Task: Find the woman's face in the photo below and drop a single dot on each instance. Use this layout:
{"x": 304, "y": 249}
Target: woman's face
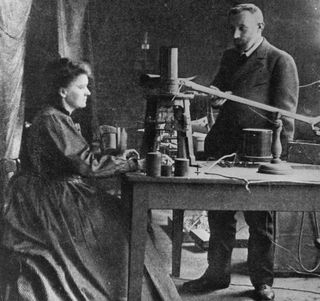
{"x": 75, "y": 95}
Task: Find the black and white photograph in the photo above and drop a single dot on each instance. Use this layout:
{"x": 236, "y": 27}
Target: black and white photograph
{"x": 159, "y": 150}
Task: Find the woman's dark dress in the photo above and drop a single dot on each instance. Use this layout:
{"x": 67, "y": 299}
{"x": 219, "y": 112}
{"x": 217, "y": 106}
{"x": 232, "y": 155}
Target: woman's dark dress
{"x": 62, "y": 239}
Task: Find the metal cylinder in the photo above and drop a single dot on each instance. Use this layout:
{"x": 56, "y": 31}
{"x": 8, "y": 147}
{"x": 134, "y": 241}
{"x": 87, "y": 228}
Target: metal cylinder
{"x": 153, "y": 164}
{"x": 108, "y": 137}
{"x": 169, "y": 70}
{"x": 256, "y": 144}
{"x": 181, "y": 167}
{"x": 166, "y": 170}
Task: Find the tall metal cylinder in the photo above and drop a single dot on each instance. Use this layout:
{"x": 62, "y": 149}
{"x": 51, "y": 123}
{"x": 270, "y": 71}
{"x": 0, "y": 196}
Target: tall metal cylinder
{"x": 169, "y": 70}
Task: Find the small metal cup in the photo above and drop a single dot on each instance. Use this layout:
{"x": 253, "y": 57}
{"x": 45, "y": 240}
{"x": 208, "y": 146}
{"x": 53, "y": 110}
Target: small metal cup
{"x": 166, "y": 170}
{"x": 181, "y": 167}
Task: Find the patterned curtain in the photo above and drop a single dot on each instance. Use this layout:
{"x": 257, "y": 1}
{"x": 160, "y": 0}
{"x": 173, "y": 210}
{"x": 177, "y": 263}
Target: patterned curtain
{"x": 71, "y": 15}
{"x": 74, "y": 39}
{"x": 13, "y": 26}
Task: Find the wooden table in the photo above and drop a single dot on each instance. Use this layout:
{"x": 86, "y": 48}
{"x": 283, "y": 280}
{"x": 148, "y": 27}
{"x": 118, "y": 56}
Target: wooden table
{"x": 299, "y": 192}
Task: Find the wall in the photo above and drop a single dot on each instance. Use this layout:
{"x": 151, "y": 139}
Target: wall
{"x": 199, "y": 30}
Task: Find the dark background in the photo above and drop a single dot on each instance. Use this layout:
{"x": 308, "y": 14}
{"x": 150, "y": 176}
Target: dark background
{"x": 116, "y": 30}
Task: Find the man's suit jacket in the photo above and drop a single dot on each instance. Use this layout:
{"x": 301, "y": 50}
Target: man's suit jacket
{"x": 268, "y": 76}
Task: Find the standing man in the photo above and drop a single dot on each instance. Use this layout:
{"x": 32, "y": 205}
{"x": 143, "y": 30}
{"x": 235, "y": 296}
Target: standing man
{"x": 256, "y": 70}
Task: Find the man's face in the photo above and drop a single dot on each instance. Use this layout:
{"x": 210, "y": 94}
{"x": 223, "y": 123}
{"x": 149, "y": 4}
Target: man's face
{"x": 245, "y": 30}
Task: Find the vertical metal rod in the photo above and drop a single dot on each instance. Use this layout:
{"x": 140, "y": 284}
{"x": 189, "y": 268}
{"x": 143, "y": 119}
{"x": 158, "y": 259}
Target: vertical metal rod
{"x": 169, "y": 70}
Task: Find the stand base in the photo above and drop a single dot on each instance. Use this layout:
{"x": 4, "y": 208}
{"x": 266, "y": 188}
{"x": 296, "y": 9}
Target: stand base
{"x": 280, "y": 168}
{"x": 255, "y": 158}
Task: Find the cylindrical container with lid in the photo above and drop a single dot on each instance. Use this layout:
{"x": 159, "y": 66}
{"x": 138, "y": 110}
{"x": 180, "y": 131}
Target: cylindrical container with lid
{"x": 153, "y": 164}
{"x": 181, "y": 167}
{"x": 166, "y": 170}
{"x": 108, "y": 137}
{"x": 256, "y": 144}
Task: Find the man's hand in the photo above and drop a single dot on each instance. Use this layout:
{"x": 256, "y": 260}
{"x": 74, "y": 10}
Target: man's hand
{"x": 216, "y": 101}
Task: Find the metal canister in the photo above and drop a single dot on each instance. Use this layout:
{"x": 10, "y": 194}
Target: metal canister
{"x": 153, "y": 164}
{"x": 181, "y": 167}
{"x": 108, "y": 137}
{"x": 256, "y": 144}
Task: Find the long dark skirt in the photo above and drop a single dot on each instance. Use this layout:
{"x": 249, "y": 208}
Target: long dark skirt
{"x": 62, "y": 241}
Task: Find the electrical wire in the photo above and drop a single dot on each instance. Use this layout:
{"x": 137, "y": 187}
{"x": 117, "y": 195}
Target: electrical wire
{"x": 179, "y": 89}
{"x": 299, "y": 259}
{"x": 246, "y": 182}
{"x": 280, "y": 288}
{"x": 261, "y": 115}
{"x": 302, "y": 273}
{"x": 219, "y": 160}
{"x": 316, "y": 224}
{"x": 274, "y": 287}
{"x": 299, "y": 249}
{"x": 311, "y": 84}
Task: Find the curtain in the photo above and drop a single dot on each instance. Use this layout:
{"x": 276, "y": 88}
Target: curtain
{"x": 71, "y": 15}
{"x": 74, "y": 39}
{"x": 13, "y": 26}
{"x": 13, "y": 20}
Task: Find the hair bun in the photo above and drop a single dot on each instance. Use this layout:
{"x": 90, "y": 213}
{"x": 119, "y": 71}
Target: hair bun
{"x": 64, "y": 61}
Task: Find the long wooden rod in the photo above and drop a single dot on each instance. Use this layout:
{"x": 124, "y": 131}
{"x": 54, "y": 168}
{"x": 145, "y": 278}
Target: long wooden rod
{"x": 218, "y": 93}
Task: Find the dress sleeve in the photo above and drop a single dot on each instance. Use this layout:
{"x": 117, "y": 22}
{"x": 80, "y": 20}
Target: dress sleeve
{"x": 73, "y": 148}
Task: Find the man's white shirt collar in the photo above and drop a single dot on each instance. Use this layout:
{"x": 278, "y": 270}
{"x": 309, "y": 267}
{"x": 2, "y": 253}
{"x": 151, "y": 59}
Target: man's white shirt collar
{"x": 252, "y": 48}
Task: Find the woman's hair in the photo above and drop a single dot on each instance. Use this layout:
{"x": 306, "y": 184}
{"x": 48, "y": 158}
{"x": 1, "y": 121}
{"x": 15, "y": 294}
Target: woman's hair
{"x": 60, "y": 73}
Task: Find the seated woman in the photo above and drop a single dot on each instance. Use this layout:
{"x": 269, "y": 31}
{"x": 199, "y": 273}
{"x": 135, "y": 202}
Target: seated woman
{"x": 62, "y": 239}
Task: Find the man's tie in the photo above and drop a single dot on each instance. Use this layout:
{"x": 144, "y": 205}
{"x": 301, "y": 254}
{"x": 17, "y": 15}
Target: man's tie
{"x": 242, "y": 59}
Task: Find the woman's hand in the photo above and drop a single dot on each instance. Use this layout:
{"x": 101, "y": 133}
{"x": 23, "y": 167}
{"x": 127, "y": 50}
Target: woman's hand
{"x": 131, "y": 154}
{"x": 166, "y": 160}
{"x": 142, "y": 164}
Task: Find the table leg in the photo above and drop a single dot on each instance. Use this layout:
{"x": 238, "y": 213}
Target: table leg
{"x": 177, "y": 237}
{"x": 137, "y": 244}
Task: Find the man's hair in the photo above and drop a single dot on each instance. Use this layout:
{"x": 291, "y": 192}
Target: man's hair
{"x": 253, "y": 9}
